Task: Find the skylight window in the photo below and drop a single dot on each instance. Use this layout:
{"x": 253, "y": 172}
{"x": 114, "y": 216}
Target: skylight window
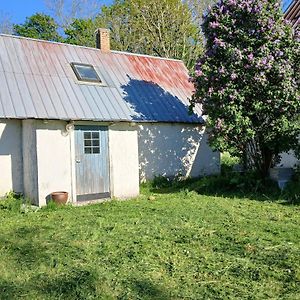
{"x": 85, "y": 72}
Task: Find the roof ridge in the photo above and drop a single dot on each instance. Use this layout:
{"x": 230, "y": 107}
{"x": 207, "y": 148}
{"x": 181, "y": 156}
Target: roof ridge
{"x": 91, "y": 48}
{"x": 145, "y": 55}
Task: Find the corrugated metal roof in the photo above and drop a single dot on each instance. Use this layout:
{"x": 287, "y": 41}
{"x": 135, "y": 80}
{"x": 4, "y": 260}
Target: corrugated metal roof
{"x": 293, "y": 13}
{"x": 37, "y": 81}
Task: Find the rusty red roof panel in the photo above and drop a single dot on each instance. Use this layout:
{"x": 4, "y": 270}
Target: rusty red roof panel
{"x": 37, "y": 81}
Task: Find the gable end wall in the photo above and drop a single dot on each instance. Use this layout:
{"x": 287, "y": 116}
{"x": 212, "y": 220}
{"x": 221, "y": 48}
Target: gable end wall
{"x": 170, "y": 149}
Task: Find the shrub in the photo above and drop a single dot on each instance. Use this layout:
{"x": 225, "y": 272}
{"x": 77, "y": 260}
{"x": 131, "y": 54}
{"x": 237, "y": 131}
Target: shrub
{"x": 16, "y": 203}
{"x": 239, "y": 184}
{"x": 247, "y": 81}
{"x": 292, "y": 191}
{"x": 228, "y": 163}
{"x": 11, "y": 202}
{"x": 160, "y": 181}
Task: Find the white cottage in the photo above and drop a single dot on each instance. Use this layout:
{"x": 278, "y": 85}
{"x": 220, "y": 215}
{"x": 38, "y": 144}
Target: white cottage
{"x": 94, "y": 122}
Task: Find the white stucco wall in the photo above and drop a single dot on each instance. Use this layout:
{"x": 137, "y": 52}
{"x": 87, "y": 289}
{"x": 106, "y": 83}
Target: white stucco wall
{"x": 289, "y": 160}
{"x": 11, "y": 168}
{"x": 124, "y": 163}
{"x": 175, "y": 149}
{"x": 44, "y": 153}
{"x": 53, "y": 152}
{"x": 50, "y": 160}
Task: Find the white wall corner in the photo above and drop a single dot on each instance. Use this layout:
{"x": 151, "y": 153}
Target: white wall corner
{"x": 53, "y": 159}
{"x": 30, "y": 170}
{"x": 124, "y": 161}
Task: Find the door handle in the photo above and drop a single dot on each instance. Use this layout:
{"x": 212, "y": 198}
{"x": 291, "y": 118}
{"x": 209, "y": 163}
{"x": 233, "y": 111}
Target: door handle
{"x": 78, "y": 161}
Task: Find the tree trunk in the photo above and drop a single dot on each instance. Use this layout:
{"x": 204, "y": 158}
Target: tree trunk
{"x": 267, "y": 158}
{"x": 245, "y": 158}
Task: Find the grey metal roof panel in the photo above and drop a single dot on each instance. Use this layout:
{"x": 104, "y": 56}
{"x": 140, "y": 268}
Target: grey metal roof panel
{"x": 37, "y": 81}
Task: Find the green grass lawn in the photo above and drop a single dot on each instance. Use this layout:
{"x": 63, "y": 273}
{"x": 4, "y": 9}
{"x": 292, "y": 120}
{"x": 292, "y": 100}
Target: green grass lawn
{"x": 180, "y": 245}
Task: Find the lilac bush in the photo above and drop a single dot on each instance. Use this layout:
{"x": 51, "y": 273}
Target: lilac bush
{"x": 247, "y": 81}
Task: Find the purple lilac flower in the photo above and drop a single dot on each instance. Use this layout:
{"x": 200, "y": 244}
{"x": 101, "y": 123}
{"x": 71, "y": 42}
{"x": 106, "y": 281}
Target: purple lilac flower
{"x": 264, "y": 61}
{"x": 198, "y": 64}
{"x": 221, "y": 70}
{"x": 220, "y": 3}
{"x": 271, "y": 23}
{"x": 238, "y": 54}
{"x": 232, "y": 2}
{"x": 248, "y": 8}
{"x": 257, "y": 8}
{"x": 219, "y": 123}
{"x": 261, "y": 77}
{"x": 251, "y": 57}
{"x": 214, "y": 24}
{"x": 224, "y": 9}
{"x": 277, "y": 5}
{"x": 219, "y": 42}
{"x": 280, "y": 53}
{"x": 198, "y": 72}
{"x": 233, "y": 76}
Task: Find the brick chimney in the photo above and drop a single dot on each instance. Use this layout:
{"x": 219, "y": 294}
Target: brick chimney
{"x": 102, "y": 39}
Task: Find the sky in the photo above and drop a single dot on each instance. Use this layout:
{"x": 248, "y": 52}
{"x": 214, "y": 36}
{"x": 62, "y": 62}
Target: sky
{"x": 18, "y": 10}
{"x": 286, "y": 3}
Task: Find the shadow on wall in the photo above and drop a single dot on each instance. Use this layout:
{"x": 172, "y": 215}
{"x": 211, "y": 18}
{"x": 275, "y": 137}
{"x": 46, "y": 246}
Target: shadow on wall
{"x": 175, "y": 150}
{"x": 289, "y": 160}
{"x": 11, "y": 156}
{"x": 168, "y": 147}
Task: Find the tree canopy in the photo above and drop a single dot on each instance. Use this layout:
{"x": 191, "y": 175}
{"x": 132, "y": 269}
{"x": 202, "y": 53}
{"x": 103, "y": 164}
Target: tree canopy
{"x": 38, "y": 26}
{"x": 81, "y": 32}
{"x": 162, "y": 28}
{"x": 247, "y": 81}
{"x": 66, "y": 11}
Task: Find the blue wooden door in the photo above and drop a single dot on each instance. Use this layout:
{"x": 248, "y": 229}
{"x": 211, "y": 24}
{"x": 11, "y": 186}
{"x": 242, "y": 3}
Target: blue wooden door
{"x": 92, "y": 162}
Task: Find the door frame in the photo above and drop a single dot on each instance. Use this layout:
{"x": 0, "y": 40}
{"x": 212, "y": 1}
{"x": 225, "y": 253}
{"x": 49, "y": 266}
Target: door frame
{"x": 72, "y": 135}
